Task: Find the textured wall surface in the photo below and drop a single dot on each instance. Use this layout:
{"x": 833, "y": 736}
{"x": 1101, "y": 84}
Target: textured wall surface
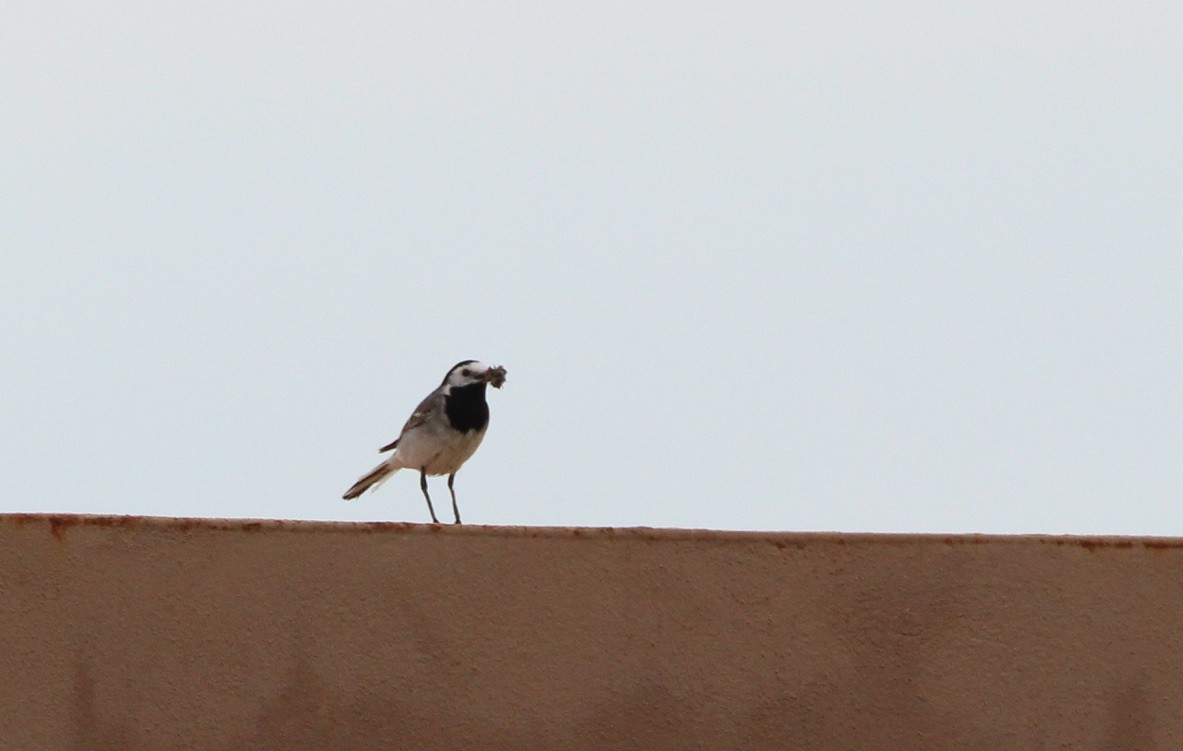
{"x": 130, "y": 633}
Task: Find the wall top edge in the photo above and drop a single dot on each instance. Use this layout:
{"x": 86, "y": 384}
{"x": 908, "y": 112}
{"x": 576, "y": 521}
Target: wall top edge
{"x": 59, "y": 524}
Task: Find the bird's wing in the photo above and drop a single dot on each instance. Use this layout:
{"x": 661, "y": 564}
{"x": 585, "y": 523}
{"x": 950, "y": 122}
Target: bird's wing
{"x": 421, "y": 415}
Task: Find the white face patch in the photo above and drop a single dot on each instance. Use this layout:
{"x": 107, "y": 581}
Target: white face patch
{"x": 462, "y": 375}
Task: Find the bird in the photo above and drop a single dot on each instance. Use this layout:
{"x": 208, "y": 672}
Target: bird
{"x": 442, "y": 433}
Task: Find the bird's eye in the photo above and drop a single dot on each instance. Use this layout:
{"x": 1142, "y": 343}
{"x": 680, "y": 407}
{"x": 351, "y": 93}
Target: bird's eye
{"x": 466, "y": 372}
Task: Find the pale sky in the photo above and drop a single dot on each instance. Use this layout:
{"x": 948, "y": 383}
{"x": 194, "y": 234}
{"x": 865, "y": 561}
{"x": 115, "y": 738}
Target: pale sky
{"x": 828, "y": 266}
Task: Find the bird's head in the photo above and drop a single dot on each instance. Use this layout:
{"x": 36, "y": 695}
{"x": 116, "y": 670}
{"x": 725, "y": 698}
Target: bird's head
{"x": 473, "y": 371}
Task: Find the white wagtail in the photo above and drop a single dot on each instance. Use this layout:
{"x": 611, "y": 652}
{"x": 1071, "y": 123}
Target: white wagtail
{"x": 443, "y": 432}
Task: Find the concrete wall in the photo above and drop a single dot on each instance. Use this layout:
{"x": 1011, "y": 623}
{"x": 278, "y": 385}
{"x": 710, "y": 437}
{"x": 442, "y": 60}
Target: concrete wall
{"x": 130, "y": 633}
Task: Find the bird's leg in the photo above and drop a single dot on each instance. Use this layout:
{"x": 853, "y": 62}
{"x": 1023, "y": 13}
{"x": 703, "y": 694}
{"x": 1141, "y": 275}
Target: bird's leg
{"x": 455, "y": 508}
{"x": 423, "y": 484}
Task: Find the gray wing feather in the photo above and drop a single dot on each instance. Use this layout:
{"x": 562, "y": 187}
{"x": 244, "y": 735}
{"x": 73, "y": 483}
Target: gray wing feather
{"x": 429, "y": 406}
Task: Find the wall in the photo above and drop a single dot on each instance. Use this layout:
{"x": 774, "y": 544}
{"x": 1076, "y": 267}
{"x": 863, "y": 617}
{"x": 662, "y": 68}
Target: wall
{"x": 133, "y": 633}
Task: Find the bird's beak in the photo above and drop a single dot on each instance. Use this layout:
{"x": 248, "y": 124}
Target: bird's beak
{"x": 495, "y": 376}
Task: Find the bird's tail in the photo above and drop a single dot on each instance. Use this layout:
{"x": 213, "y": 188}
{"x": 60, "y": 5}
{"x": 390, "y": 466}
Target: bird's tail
{"x": 376, "y": 477}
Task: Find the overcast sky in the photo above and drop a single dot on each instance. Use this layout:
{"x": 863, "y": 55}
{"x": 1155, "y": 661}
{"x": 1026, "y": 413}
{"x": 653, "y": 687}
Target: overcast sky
{"x": 828, "y": 266}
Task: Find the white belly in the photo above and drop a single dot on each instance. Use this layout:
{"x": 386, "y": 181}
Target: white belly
{"x": 439, "y": 455}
